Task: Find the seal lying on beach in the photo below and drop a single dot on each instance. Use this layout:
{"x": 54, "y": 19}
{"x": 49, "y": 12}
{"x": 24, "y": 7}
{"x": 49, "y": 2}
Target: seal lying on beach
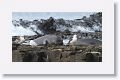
{"x": 88, "y": 42}
{"x": 76, "y": 41}
{"x": 47, "y": 39}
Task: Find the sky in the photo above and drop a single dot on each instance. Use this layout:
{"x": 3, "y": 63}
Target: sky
{"x": 46, "y": 15}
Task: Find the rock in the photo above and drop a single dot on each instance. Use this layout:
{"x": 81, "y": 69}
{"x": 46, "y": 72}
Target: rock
{"x": 34, "y": 56}
{"x": 72, "y": 53}
{"x": 56, "y": 54}
{"x": 93, "y": 57}
{"x": 15, "y": 46}
{"x": 16, "y": 56}
{"x": 48, "y": 26}
{"x": 89, "y": 57}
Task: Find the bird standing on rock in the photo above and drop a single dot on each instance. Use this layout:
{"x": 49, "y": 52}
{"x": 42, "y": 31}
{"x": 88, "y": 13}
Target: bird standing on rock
{"x": 32, "y": 43}
{"x": 20, "y": 39}
{"x": 74, "y": 39}
{"x": 73, "y": 42}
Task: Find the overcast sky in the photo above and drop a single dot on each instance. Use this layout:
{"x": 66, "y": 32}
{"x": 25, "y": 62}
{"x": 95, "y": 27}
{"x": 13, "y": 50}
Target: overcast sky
{"x": 46, "y": 15}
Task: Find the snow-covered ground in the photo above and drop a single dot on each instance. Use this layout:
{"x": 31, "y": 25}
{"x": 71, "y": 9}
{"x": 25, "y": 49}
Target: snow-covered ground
{"x": 20, "y": 31}
{"x": 81, "y": 28}
{"x": 75, "y": 28}
{"x": 31, "y": 29}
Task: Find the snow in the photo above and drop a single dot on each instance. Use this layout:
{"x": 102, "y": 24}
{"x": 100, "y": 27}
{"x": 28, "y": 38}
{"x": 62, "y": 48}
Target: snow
{"x": 20, "y": 31}
{"x": 78, "y": 28}
{"x": 35, "y": 28}
{"x": 97, "y": 28}
{"x": 61, "y": 28}
{"x": 81, "y": 28}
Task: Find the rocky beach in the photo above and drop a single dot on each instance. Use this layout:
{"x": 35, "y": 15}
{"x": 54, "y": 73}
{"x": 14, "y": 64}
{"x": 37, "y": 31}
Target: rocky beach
{"x": 58, "y": 40}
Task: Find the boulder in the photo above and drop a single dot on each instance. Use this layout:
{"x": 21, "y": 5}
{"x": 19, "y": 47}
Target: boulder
{"x": 35, "y": 56}
{"x": 93, "y": 57}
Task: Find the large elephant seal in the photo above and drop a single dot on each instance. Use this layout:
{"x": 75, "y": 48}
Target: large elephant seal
{"x": 47, "y": 39}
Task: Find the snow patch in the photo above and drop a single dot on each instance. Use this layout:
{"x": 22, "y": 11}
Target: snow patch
{"x": 81, "y": 28}
{"x": 61, "y": 28}
{"x": 35, "y": 28}
{"x": 97, "y": 28}
{"x": 20, "y": 31}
